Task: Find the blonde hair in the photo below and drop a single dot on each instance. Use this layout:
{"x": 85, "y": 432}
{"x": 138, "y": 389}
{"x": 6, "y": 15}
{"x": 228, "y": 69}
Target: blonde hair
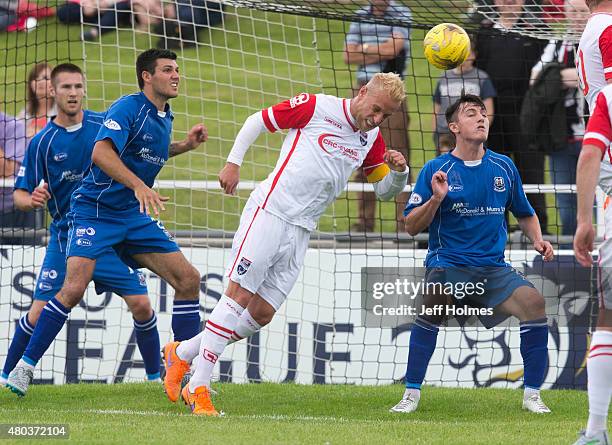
{"x": 389, "y": 82}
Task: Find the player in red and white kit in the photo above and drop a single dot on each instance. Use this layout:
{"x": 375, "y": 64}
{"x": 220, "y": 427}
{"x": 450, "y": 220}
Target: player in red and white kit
{"x": 328, "y": 139}
{"x": 594, "y": 65}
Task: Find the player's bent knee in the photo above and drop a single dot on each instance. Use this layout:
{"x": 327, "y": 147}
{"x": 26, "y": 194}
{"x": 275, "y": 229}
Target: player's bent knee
{"x": 534, "y": 305}
{"x": 71, "y": 294}
{"x": 140, "y": 306}
{"x": 188, "y": 286}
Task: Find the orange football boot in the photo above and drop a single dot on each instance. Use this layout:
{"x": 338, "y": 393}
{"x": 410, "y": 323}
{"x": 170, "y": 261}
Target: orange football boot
{"x": 199, "y": 402}
{"x": 175, "y": 370}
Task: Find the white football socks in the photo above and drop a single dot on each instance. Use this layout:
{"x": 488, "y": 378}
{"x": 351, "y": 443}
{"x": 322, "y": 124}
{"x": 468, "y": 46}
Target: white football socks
{"x": 188, "y": 349}
{"x": 218, "y": 330}
{"x": 599, "y": 369}
{"x": 246, "y": 327}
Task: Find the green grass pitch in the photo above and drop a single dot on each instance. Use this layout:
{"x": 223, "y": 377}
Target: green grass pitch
{"x": 293, "y": 414}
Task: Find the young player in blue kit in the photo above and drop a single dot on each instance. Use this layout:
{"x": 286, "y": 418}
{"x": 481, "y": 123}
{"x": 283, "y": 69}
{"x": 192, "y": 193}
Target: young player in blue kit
{"x": 54, "y": 165}
{"x": 462, "y": 197}
{"x": 111, "y": 207}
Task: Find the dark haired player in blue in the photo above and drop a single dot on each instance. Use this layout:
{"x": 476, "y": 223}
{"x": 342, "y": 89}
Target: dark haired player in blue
{"x": 54, "y": 165}
{"x": 462, "y": 197}
{"x": 111, "y": 207}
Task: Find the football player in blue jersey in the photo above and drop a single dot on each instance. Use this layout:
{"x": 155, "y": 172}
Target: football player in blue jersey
{"x": 54, "y": 165}
{"x": 112, "y": 205}
{"x": 462, "y": 197}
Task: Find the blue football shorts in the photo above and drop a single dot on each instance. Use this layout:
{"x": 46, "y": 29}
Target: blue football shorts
{"x": 110, "y": 275}
{"x": 129, "y": 232}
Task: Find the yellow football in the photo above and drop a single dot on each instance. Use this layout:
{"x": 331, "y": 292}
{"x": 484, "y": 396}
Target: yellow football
{"x": 446, "y": 46}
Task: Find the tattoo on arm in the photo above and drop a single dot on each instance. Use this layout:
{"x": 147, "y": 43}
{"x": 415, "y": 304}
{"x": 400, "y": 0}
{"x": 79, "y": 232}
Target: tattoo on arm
{"x": 172, "y": 150}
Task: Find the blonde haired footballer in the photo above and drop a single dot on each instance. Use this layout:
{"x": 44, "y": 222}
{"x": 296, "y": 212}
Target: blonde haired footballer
{"x": 328, "y": 139}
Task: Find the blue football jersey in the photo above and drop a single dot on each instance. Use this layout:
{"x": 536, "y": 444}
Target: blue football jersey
{"x": 141, "y": 135}
{"x": 469, "y": 228}
{"x": 61, "y": 156}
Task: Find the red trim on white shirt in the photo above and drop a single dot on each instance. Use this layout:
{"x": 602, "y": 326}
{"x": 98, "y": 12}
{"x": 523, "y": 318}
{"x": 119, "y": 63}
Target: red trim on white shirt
{"x": 267, "y": 121}
{"x": 280, "y": 170}
{"x": 605, "y": 48}
{"x": 347, "y": 115}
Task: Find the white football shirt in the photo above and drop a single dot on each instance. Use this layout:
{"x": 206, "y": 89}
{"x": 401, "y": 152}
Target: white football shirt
{"x": 594, "y": 58}
{"x": 318, "y": 156}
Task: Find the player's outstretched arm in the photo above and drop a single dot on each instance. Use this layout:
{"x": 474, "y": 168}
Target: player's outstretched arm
{"x": 105, "y": 157}
{"x": 421, "y": 217}
{"x": 229, "y": 176}
{"x": 197, "y": 135}
{"x": 587, "y": 175}
{"x": 530, "y": 225}
{"x": 26, "y": 201}
{"x": 393, "y": 182}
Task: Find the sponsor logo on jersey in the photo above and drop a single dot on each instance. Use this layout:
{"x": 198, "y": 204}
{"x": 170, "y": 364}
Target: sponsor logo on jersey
{"x": 243, "y": 266}
{"x": 53, "y": 274}
{"x": 70, "y": 176}
{"x": 336, "y": 124}
{"x": 83, "y": 242}
{"x": 147, "y": 137}
{"x": 112, "y": 125}
{"x": 147, "y": 156}
{"x": 141, "y": 279}
{"x": 415, "y": 198}
{"x": 44, "y": 286}
{"x": 455, "y": 183}
{"x": 210, "y": 356}
{"x": 458, "y": 205}
{"x": 328, "y": 144}
{"x": 59, "y": 157}
{"x": 498, "y": 184}
{"x": 22, "y": 171}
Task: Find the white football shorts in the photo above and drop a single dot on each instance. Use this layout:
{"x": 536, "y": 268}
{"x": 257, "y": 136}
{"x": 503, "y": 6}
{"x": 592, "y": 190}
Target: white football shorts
{"x": 267, "y": 254}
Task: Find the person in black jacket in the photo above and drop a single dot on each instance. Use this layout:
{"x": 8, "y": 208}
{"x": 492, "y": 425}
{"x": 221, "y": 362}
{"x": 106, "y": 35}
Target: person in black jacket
{"x": 508, "y": 58}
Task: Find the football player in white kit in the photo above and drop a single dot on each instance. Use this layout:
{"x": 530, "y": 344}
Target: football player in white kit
{"x": 328, "y": 139}
{"x": 594, "y": 65}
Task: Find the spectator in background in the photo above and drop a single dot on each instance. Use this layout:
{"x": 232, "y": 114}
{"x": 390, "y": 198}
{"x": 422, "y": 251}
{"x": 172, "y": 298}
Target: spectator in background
{"x": 563, "y": 159}
{"x": 374, "y": 48}
{"x": 183, "y": 21}
{"x": 508, "y": 58}
{"x": 105, "y": 15}
{"x": 12, "y": 152}
{"x": 40, "y": 106}
{"x": 464, "y": 79}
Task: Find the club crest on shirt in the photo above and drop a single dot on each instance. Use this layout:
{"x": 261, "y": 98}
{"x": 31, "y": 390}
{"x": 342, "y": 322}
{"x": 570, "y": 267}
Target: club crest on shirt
{"x": 363, "y": 138}
{"x": 498, "y": 184}
{"x": 243, "y": 266}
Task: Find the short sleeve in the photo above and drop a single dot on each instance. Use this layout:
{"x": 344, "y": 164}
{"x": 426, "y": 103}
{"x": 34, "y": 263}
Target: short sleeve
{"x": 599, "y": 129}
{"x": 31, "y": 170}
{"x": 402, "y": 31}
{"x": 354, "y": 34}
{"x": 437, "y": 96}
{"x": 293, "y": 113}
{"x": 13, "y": 135}
{"x": 519, "y": 204}
{"x": 422, "y": 191}
{"x": 487, "y": 89}
{"x": 117, "y": 123}
{"x": 605, "y": 47}
{"x": 374, "y": 165}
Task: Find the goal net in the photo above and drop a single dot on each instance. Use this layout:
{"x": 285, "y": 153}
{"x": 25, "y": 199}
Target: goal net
{"x": 258, "y": 54}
